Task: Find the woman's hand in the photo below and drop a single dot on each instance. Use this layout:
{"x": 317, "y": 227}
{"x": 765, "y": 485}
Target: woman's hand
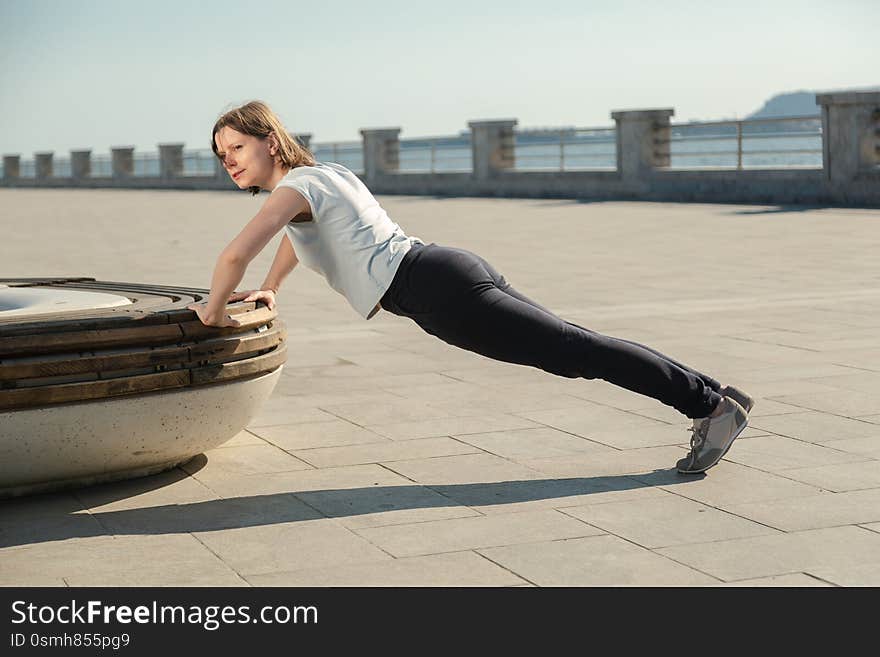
{"x": 267, "y": 296}
{"x": 201, "y": 310}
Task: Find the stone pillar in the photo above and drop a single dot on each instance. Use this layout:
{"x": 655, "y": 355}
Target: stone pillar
{"x": 43, "y": 165}
{"x": 170, "y": 160}
{"x": 642, "y": 141}
{"x": 381, "y": 151}
{"x": 492, "y": 147}
{"x": 850, "y": 134}
{"x": 11, "y": 167}
{"x": 123, "y": 161}
{"x": 80, "y": 164}
{"x": 220, "y": 172}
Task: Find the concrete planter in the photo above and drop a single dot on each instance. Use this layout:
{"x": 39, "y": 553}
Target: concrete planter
{"x": 123, "y": 381}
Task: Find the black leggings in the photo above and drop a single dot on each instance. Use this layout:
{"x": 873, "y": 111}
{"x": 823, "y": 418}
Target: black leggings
{"x": 460, "y": 298}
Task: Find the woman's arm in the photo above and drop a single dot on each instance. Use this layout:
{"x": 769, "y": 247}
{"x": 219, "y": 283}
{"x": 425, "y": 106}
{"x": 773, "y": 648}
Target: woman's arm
{"x": 285, "y": 261}
{"x": 282, "y": 205}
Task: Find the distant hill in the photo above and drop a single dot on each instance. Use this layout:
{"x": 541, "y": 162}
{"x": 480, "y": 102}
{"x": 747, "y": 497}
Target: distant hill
{"x": 797, "y": 103}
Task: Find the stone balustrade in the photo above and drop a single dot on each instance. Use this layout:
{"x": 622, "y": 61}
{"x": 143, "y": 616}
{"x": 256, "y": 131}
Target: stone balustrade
{"x": 850, "y": 174}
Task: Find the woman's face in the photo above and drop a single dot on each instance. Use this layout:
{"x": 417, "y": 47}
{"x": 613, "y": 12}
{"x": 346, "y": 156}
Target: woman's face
{"x": 249, "y": 160}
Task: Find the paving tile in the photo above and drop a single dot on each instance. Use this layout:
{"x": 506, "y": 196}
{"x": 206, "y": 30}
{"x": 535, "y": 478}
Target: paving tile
{"x": 849, "y": 575}
{"x": 450, "y": 569}
{"x": 867, "y": 382}
{"x": 289, "y": 546}
{"x": 291, "y": 415}
{"x": 170, "y": 487}
{"x": 728, "y": 483}
{"x": 396, "y": 362}
{"x": 450, "y": 426}
{"x": 868, "y": 447}
{"x": 785, "y": 581}
{"x": 37, "y": 506}
{"x": 327, "y": 479}
{"x": 781, "y": 375}
{"x": 589, "y": 419}
{"x": 777, "y": 554}
{"x": 606, "y": 394}
{"x": 612, "y": 462}
{"x": 816, "y": 427}
{"x": 387, "y": 451}
{"x": 536, "y": 494}
{"x": 666, "y": 520}
{"x": 849, "y": 476}
{"x": 594, "y": 561}
{"x": 308, "y": 435}
{"x": 849, "y": 403}
{"x": 390, "y": 411}
{"x": 23, "y": 532}
{"x": 211, "y": 515}
{"x": 385, "y": 505}
{"x": 482, "y": 531}
{"x": 779, "y": 454}
{"x": 245, "y": 460}
{"x": 167, "y": 560}
{"x": 462, "y": 469}
{"x": 826, "y": 509}
{"x": 13, "y": 579}
{"x": 768, "y": 407}
{"x": 243, "y": 437}
{"x": 322, "y": 399}
{"x": 542, "y": 442}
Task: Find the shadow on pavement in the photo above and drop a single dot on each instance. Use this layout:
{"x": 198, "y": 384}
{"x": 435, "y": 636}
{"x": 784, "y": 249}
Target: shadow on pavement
{"x": 16, "y": 529}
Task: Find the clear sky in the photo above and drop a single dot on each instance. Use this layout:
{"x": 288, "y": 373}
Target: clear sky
{"x": 100, "y": 73}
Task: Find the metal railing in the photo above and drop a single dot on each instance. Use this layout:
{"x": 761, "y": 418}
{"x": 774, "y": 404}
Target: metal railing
{"x": 61, "y": 168}
{"x": 146, "y": 164}
{"x": 101, "y": 166}
{"x": 436, "y": 155}
{"x": 27, "y": 169}
{"x": 200, "y": 162}
{"x": 566, "y": 149}
{"x": 349, "y": 154}
{"x": 751, "y": 143}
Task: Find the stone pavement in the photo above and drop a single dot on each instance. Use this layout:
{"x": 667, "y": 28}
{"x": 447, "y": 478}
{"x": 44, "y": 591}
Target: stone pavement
{"x": 386, "y": 457}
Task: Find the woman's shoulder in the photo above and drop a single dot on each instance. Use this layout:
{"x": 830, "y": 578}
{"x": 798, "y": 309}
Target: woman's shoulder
{"x": 318, "y": 168}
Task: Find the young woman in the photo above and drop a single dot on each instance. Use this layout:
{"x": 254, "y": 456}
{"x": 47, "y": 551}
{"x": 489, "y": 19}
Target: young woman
{"x": 335, "y": 226}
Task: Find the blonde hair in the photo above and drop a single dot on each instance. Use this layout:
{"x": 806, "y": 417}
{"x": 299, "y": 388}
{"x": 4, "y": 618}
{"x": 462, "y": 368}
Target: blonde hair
{"x": 257, "y": 119}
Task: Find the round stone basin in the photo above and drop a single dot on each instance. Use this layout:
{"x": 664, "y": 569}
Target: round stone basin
{"x": 74, "y": 445}
{"x": 19, "y": 301}
{"x": 102, "y": 381}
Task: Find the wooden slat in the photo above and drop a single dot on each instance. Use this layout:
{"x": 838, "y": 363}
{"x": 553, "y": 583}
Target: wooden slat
{"x": 43, "y": 322}
{"x": 22, "y": 398}
{"x": 241, "y": 368}
{"x": 155, "y": 335}
{"x": 70, "y": 392}
{"x": 90, "y": 340}
{"x": 210, "y": 352}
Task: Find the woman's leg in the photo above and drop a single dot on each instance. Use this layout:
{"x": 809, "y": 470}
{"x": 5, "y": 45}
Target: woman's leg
{"x": 504, "y": 286}
{"x": 454, "y": 296}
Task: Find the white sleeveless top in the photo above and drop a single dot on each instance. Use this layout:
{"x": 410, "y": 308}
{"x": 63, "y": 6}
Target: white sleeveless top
{"x": 350, "y": 239}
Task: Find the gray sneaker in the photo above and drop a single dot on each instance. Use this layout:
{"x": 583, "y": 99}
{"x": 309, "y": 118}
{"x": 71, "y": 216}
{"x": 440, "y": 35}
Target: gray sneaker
{"x": 738, "y": 396}
{"x": 712, "y": 436}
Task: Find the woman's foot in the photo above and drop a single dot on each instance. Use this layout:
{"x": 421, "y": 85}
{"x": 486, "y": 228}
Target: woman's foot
{"x": 740, "y": 397}
{"x": 712, "y": 436}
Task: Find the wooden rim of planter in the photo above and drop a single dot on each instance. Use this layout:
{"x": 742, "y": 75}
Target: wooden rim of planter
{"x": 161, "y": 319}
{"x": 46, "y": 369}
{"x": 24, "y": 398}
{"x": 153, "y": 344}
